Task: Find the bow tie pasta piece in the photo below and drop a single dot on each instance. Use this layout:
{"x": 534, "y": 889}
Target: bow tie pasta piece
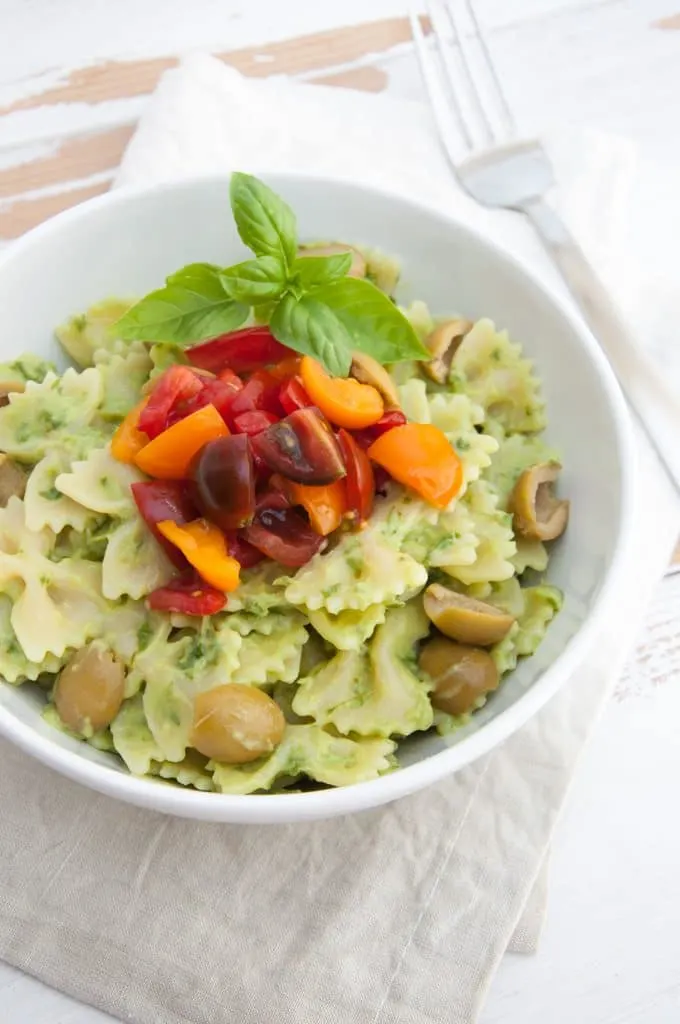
{"x": 491, "y": 370}
{"x": 46, "y": 505}
{"x": 128, "y": 628}
{"x": 450, "y": 540}
{"x": 174, "y": 672}
{"x": 374, "y": 694}
{"x": 14, "y": 665}
{"x": 55, "y": 413}
{"x": 308, "y": 750}
{"x": 101, "y": 483}
{"x": 260, "y": 591}
{"x": 362, "y": 571}
{"x": 134, "y": 563}
{"x": 123, "y": 375}
{"x": 83, "y": 335}
{"x": 348, "y": 630}
{"x": 496, "y": 545}
{"x": 271, "y": 648}
{"x": 26, "y": 367}
{"x": 132, "y": 738}
{"x": 535, "y": 608}
{"x": 192, "y": 771}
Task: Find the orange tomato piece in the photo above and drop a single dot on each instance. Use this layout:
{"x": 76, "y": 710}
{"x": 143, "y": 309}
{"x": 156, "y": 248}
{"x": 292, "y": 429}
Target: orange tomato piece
{"x": 342, "y": 400}
{"x": 288, "y": 367}
{"x": 205, "y": 547}
{"x": 420, "y": 456}
{"x": 325, "y": 504}
{"x": 169, "y": 455}
{"x": 128, "y": 440}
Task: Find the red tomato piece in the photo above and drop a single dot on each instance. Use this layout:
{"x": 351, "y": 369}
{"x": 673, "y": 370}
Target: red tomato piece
{"x": 388, "y": 421}
{"x": 162, "y": 500}
{"x": 360, "y": 479}
{"x": 188, "y": 595}
{"x": 284, "y": 536}
{"x": 176, "y": 385}
{"x": 261, "y": 392}
{"x": 220, "y": 393}
{"x": 293, "y": 395}
{"x": 254, "y": 422}
{"x": 239, "y": 548}
{"x": 241, "y": 351}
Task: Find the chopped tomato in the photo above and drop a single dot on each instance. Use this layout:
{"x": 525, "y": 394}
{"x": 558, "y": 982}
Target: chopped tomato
{"x": 293, "y": 395}
{"x": 187, "y": 595}
{"x": 238, "y": 547}
{"x": 284, "y": 536}
{"x": 261, "y": 392}
{"x": 205, "y": 547}
{"x": 215, "y": 391}
{"x": 388, "y": 421}
{"x": 420, "y": 456}
{"x": 254, "y": 422}
{"x": 128, "y": 439}
{"x": 176, "y": 385}
{"x": 325, "y": 504}
{"x": 241, "y": 351}
{"x": 360, "y": 478}
{"x": 342, "y": 400}
{"x": 159, "y": 500}
{"x": 169, "y": 455}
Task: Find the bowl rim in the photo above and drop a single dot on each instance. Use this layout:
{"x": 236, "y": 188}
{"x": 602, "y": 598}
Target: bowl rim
{"x": 153, "y": 793}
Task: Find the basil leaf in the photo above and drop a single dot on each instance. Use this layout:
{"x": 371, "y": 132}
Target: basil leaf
{"x": 310, "y": 327}
{"x": 264, "y": 221}
{"x": 312, "y": 271}
{"x": 372, "y": 321}
{"x": 255, "y": 281}
{"x": 192, "y": 306}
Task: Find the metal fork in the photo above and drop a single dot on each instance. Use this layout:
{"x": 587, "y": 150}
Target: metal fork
{"x": 499, "y": 168}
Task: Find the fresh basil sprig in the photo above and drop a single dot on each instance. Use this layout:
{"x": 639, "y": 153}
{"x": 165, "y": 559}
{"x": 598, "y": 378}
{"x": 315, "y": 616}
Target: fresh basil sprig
{"x": 312, "y": 306}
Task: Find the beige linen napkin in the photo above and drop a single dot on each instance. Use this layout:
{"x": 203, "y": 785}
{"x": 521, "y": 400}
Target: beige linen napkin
{"x": 393, "y": 916}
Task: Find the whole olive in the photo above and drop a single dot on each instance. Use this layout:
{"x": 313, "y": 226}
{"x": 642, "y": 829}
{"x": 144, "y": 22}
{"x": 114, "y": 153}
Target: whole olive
{"x": 461, "y": 674}
{"x": 90, "y": 688}
{"x": 235, "y": 723}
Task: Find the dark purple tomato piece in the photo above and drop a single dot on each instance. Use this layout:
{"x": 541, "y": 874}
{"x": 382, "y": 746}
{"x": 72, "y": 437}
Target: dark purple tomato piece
{"x": 283, "y": 535}
{"x": 302, "y": 447}
{"x": 222, "y": 479}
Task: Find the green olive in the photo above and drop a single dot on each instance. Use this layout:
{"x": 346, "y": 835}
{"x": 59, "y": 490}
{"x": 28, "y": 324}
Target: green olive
{"x": 236, "y": 723}
{"x": 537, "y": 513}
{"x": 90, "y": 689}
{"x": 465, "y": 619}
{"x": 461, "y": 674}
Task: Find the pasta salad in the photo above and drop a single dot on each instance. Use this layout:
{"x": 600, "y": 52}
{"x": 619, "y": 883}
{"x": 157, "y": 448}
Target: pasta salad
{"x": 268, "y": 523}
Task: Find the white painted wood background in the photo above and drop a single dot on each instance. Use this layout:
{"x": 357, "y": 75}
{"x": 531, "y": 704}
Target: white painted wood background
{"x": 611, "y": 948}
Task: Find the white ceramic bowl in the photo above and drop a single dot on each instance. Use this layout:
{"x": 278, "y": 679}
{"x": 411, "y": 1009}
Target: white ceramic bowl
{"x": 124, "y": 243}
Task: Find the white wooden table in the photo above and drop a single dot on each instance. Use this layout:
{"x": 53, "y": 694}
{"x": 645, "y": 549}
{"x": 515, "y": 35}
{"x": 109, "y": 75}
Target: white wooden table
{"x": 74, "y": 76}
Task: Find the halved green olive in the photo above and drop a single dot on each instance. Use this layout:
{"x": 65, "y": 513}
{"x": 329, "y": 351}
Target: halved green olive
{"x": 90, "y": 688}
{"x": 357, "y": 267}
{"x": 537, "y": 512}
{"x": 235, "y": 723}
{"x": 443, "y": 342}
{"x": 13, "y": 479}
{"x": 465, "y": 619}
{"x": 461, "y": 674}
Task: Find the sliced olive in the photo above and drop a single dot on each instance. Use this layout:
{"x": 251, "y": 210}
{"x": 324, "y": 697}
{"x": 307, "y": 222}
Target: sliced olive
{"x": 301, "y": 447}
{"x": 443, "y": 343}
{"x": 235, "y": 723}
{"x": 223, "y": 481}
{"x": 12, "y": 480}
{"x": 368, "y": 370}
{"x": 537, "y": 512}
{"x": 461, "y": 674}
{"x": 9, "y": 387}
{"x": 357, "y": 267}
{"x": 90, "y": 688}
{"x": 465, "y": 619}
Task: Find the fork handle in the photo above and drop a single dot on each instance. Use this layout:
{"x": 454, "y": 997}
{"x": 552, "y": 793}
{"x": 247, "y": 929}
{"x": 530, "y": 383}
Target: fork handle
{"x": 653, "y": 400}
